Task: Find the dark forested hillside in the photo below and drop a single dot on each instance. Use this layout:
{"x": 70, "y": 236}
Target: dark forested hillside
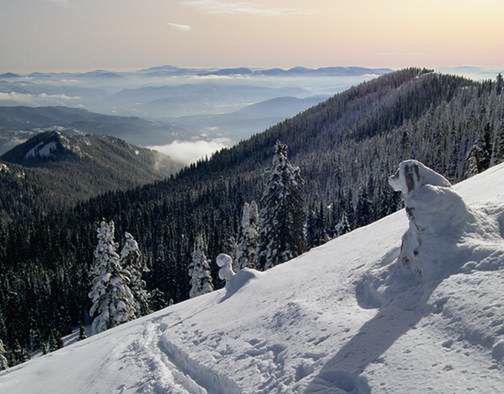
{"x": 345, "y": 147}
{"x": 59, "y": 168}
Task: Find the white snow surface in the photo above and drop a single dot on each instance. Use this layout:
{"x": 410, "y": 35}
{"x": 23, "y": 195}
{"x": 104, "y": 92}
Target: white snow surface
{"x": 342, "y": 318}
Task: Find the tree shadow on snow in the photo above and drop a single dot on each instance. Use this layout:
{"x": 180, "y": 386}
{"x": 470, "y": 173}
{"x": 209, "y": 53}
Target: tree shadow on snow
{"x": 238, "y": 281}
{"x": 341, "y": 374}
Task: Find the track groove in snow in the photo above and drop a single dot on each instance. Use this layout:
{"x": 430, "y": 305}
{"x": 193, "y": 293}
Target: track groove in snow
{"x": 212, "y": 381}
{"x": 163, "y": 376}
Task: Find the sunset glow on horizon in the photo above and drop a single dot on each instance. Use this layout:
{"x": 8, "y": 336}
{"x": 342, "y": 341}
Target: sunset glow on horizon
{"x": 57, "y": 35}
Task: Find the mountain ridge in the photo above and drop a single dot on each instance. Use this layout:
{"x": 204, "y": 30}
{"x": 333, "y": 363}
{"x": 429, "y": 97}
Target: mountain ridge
{"x": 229, "y": 71}
{"x": 68, "y": 166}
{"x": 132, "y": 128}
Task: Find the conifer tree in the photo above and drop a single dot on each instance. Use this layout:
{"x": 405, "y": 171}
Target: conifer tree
{"x": 231, "y": 247}
{"x": 4, "y": 364}
{"x": 499, "y": 84}
{"x": 485, "y": 146}
{"x": 311, "y": 230}
{"x": 282, "y": 212}
{"x": 199, "y": 269}
{"x": 322, "y": 225}
{"x": 343, "y": 226}
{"x": 349, "y": 209}
{"x": 133, "y": 262}
{"x": 113, "y": 301}
{"x": 157, "y": 299}
{"x": 363, "y": 215}
{"x": 52, "y": 341}
{"x": 498, "y": 147}
{"x": 34, "y": 340}
{"x": 19, "y": 354}
{"x": 249, "y": 236}
{"x": 82, "y": 331}
{"x": 473, "y": 162}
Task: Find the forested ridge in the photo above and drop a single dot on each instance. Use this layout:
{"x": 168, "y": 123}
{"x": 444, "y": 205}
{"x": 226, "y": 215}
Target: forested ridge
{"x": 57, "y": 168}
{"x": 345, "y": 148}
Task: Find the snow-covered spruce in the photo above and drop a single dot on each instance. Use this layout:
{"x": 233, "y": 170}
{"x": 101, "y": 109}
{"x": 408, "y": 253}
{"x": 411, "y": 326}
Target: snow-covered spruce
{"x": 282, "y": 212}
{"x": 249, "y": 237}
{"x": 199, "y": 269}
{"x": 225, "y": 263}
{"x": 343, "y": 225}
{"x": 113, "y": 301}
{"x": 133, "y": 262}
{"x": 3, "y": 360}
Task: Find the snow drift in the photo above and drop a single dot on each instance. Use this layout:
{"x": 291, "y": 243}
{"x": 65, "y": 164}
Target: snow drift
{"x": 363, "y": 313}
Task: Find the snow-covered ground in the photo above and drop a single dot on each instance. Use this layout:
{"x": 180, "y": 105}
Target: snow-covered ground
{"x": 338, "y": 319}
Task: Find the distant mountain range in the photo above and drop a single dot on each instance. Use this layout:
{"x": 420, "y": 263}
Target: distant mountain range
{"x": 168, "y": 70}
{"x": 251, "y": 119}
{"x": 294, "y": 71}
{"x": 201, "y": 98}
{"x": 66, "y": 166}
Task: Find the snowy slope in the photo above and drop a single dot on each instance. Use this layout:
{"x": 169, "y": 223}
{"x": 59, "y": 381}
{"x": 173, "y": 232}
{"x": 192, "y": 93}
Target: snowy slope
{"x": 311, "y": 325}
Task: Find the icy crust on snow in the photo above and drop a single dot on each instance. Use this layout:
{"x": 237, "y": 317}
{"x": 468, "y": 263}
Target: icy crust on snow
{"x": 347, "y": 317}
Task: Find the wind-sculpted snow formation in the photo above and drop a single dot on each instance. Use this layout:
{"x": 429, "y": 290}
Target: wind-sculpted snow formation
{"x": 357, "y": 315}
{"x": 225, "y": 263}
{"x": 436, "y": 215}
{"x": 444, "y": 236}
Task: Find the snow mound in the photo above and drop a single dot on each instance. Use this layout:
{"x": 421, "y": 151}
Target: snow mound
{"x": 239, "y": 281}
{"x": 444, "y": 237}
{"x": 351, "y": 316}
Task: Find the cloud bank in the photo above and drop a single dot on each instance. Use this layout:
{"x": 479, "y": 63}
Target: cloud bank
{"x": 190, "y": 151}
{"x": 178, "y": 27}
{"x": 36, "y": 99}
{"x": 222, "y": 7}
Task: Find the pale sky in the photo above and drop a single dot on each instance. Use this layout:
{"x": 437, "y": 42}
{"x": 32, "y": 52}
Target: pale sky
{"x": 51, "y": 35}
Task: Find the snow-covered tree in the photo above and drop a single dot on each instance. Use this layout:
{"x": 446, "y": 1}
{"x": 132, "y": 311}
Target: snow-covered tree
{"x": 363, "y": 214}
{"x": 225, "y": 263}
{"x": 499, "y": 85}
{"x": 19, "y": 354}
{"x": 3, "y": 360}
{"x": 133, "y": 262}
{"x": 231, "y": 247}
{"x": 157, "y": 299}
{"x": 199, "y": 269}
{"x": 316, "y": 227}
{"x": 282, "y": 212}
{"x": 498, "y": 153}
{"x": 343, "y": 226}
{"x": 33, "y": 340}
{"x": 249, "y": 237}
{"x": 54, "y": 341}
{"x": 472, "y": 162}
{"x": 113, "y": 301}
